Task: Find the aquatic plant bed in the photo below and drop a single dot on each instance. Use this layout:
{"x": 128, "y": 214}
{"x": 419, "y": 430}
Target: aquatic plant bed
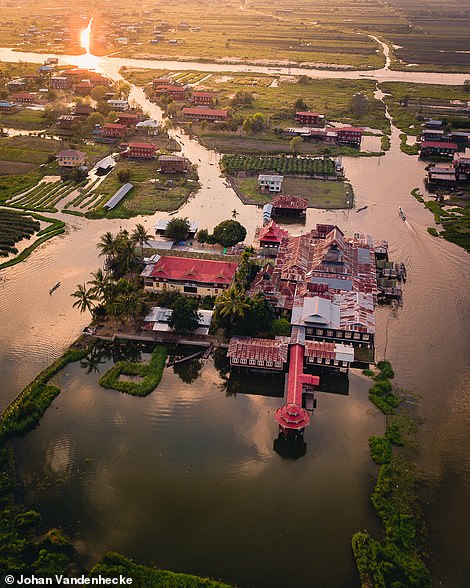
{"x": 25, "y": 411}
{"x": 455, "y": 221}
{"x": 114, "y": 565}
{"x": 151, "y": 374}
{"x": 279, "y": 164}
{"x": 15, "y": 226}
{"x": 396, "y": 560}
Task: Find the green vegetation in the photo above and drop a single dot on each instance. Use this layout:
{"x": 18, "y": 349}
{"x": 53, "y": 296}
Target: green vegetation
{"x": 184, "y": 319}
{"x": 149, "y": 374}
{"x": 229, "y": 233}
{"x": 405, "y": 148}
{"x": 150, "y": 192}
{"x": 14, "y": 227}
{"x": 278, "y": 164}
{"x": 114, "y": 565}
{"x": 56, "y": 227}
{"x": 25, "y": 411}
{"x": 177, "y": 229}
{"x": 416, "y": 194}
{"x": 409, "y": 103}
{"x": 25, "y": 119}
{"x": 432, "y": 231}
{"x": 396, "y": 560}
{"x": 381, "y": 393}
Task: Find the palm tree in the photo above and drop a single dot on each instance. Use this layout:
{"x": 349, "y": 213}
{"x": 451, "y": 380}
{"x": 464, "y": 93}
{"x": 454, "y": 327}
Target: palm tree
{"x": 232, "y": 303}
{"x": 85, "y": 298}
{"x": 131, "y": 300}
{"x": 108, "y": 245}
{"x": 100, "y": 284}
{"x": 234, "y": 213}
{"x": 140, "y": 235}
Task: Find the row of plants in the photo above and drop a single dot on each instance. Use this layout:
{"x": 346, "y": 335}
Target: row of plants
{"x": 15, "y": 226}
{"x": 279, "y": 164}
{"x": 396, "y": 559}
{"x": 56, "y": 227}
{"x": 149, "y": 374}
{"x": 83, "y": 194}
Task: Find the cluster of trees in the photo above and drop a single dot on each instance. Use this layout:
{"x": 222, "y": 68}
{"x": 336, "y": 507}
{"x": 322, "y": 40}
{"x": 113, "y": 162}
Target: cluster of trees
{"x": 359, "y": 104}
{"x": 278, "y": 163}
{"x": 242, "y": 98}
{"x": 115, "y": 292}
{"x": 227, "y": 233}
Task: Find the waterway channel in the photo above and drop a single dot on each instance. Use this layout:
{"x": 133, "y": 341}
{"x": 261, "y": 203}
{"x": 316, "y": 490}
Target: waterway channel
{"x": 187, "y": 478}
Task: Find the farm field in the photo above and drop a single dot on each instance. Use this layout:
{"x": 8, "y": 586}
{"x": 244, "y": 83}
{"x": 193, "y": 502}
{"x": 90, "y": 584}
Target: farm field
{"x": 25, "y": 119}
{"x": 15, "y": 227}
{"x": 319, "y": 193}
{"x": 278, "y": 164}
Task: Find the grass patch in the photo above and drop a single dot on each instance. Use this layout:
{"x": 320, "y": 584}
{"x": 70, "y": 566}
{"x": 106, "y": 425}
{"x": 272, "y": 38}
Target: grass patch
{"x": 319, "y": 193}
{"x": 151, "y": 373}
{"x": 416, "y": 194}
{"x": 145, "y": 197}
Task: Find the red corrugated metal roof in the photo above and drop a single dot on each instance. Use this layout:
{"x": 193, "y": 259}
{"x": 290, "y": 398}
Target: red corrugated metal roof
{"x": 307, "y": 114}
{"x": 142, "y": 146}
{"x": 274, "y": 350}
{"x": 286, "y": 201}
{"x": 440, "y": 144}
{"x": 194, "y": 270}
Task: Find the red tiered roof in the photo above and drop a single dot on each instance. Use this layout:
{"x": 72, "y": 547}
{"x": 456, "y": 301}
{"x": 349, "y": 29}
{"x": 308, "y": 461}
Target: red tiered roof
{"x": 194, "y": 270}
{"x": 440, "y": 144}
{"x": 272, "y": 232}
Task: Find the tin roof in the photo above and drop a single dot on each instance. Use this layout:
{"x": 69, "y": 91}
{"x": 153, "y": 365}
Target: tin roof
{"x": 274, "y": 350}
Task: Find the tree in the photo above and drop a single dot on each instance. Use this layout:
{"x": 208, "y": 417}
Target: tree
{"x": 131, "y": 300}
{"x": 229, "y": 232}
{"x": 177, "y": 229}
{"x": 184, "y": 318}
{"x": 247, "y": 125}
{"x": 258, "y": 123}
{"x": 232, "y": 303}
{"x": 99, "y": 284}
{"x": 300, "y": 105}
{"x": 281, "y": 327}
{"x": 124, "y": 175}
{"x": 107, "y": 245}
{"x": 242, "y": 98}
{"x": 140, "y": 235}
{"x": 359, "y": 104}
{"x": 257, "y": 319}
{"x": 235, "y": 213}
{"x": 202, "y": 236}
{"x": 85, "y": 298}
{"x": 295, "y": 143}
{"x": 98, "y": 93}
{"x": 466, "y": 85}
{"x": 303, "y": 80}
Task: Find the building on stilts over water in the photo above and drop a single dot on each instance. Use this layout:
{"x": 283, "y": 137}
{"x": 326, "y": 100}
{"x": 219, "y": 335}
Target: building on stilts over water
{"x": 328, "y": 285}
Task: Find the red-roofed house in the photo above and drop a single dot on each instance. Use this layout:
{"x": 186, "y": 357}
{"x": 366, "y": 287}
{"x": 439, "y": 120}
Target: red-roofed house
{"x": 113, "y": 130}
{"x": 349, "y": 135}
{"x": 205, "y": 114}
{"x": 194, "y": 277}
{"x": 309, "y": 118}
{"x": 140, "y": 151}
{"x": 252, "y": 353}
{"x": 176, "y": 92}
{"x": 202, "y": 98}
{"x": 128, "y": 119}
{"x": 159, "y": 82}
{"x": 438, "y": 148}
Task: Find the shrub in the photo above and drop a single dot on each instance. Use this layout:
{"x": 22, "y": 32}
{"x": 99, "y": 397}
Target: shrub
{"x": 151, "y": 373}
{"x": 380, "y": 450}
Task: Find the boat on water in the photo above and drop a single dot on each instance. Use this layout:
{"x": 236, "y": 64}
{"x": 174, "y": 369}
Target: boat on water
{"x": 54, "y": 288}
{"x": 401, "y": 212}
{"x": 361, "y": 208}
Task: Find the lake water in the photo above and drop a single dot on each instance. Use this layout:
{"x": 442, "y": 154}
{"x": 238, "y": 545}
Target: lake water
{"x": 187, "y": 478}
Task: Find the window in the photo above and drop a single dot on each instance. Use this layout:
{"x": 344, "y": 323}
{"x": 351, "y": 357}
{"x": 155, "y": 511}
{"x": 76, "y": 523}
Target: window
{"x": 329, "y": 333}
{"x": 366, "y": 336}
{"x": 242, "y": 360}
{"x": 234, "y": 359}
{"x": 252, "y": 362}
{"x": 357, "y": 336}
{"x": 190, "y": 289}
{"x": 348, "y": 334}
{"x": 269, "y": 363}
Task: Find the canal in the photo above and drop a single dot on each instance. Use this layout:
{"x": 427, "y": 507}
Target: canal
{"x": 187, "y": 478}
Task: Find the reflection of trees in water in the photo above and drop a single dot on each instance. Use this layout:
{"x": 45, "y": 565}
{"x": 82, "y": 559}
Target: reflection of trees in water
{"x": 103, "y": 351}
{"x": 189, "y": 371}
{"x": 221, "y": 362}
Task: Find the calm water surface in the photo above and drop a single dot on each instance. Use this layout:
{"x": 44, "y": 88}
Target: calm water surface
{"x": 187, "y": 477}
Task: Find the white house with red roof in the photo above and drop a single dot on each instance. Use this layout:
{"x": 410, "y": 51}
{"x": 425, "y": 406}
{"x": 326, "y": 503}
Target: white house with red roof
{"x": 71, "y": 158}
{"x": 191, "y": 276}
